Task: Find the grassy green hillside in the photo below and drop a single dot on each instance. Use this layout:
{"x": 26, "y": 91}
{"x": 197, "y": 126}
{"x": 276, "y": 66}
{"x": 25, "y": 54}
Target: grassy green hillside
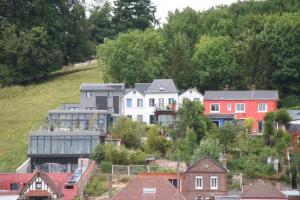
{"x": 23, "y": 107}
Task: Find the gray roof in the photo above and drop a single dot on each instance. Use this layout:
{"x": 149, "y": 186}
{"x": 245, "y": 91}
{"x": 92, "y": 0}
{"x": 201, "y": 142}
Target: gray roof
{"x": 220, "y": 116}
{"x": 162, "y": 86}
{"x": 102, "y": 86}
{"x": 242, "y": 95}
{"x": 142, "y": 87}
{"x": 295, "y": 114}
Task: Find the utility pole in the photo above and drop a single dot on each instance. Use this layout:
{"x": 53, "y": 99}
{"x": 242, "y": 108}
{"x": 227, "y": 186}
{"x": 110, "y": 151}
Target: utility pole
{"x": 178, "y": 178}
{"x": 110, "y": 187}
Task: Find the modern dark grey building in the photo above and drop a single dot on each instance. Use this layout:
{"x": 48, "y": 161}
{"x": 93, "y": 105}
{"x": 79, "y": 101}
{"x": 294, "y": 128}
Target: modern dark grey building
{"x": 102, "y": 97}
{"x": 73, "y": 131}
{"x": 61, "y": 147}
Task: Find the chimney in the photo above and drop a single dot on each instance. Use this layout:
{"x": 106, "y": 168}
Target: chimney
{"x": 224, "y": 160}
{"x": 226, "y": 88}
{"x": 253, "y": 87}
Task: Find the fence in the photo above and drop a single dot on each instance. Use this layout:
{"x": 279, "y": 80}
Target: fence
{"x": 136, "y": 169}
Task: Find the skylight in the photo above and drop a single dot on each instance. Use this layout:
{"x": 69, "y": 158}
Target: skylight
{"x": 149, "y": 190}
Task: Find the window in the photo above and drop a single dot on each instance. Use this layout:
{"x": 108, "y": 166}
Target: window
{"x": 128, "y": 103}
{"x": 262, "y": 107}
{"x": 152, "y": 119}
{"x": 171, "y": 100}
{"x": 229, "y": 107}
{"x": 151, "y": 102}
{"x": 161, "y": 88}
{"x": 196, "y": 99}
{"x": 14, "y": 186}
{"x": 139, "y": 102}
{"x": 38, "y": 185}
{"x": 215, "y": 107}
{"x": 240, "y": 107}
{"x": 216, "y": 122}
{"x": 139, "y": 118}
{"x": 260, "y": 126}
{"x": 213, "y": 182}
{"x": 73, "y": 108}
{"x": 88, "y": 94}
{"x": 161, "y": 102}
{"x": 110, "y": 94}
{"x": 173, "y": 182}
{"x": 198, "y": 182}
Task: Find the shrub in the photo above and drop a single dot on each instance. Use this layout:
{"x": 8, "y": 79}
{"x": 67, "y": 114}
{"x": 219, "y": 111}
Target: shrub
{"x": 98, "y": 153}
{"x": 106, "y": 166}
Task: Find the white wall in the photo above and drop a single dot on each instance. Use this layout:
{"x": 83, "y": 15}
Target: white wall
{"x": 146, "y": 110}
{"x": 191, "y": 94}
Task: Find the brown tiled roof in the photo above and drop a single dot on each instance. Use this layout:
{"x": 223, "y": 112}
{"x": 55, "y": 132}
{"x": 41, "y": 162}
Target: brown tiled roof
{"x": 135, "y": 190}
{"x": 262, "y": 190}
{"x": 189, "y": 168}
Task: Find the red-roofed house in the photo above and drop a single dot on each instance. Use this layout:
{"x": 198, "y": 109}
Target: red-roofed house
{"x": 262, "y": 191}
{"x": 149, "y": 188}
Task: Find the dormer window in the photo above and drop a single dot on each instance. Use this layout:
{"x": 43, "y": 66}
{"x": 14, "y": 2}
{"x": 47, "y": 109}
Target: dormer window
{"x": 161, "y": 88}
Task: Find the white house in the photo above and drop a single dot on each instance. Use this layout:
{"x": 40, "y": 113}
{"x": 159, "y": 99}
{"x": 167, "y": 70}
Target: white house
{"x": 141, "y": 102}
{"x": 192, "y": 94}
{"x": 156, "y": 101}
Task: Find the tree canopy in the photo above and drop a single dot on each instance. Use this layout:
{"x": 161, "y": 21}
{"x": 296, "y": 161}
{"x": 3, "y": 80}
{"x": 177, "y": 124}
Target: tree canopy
{"x": 244, "y": 44}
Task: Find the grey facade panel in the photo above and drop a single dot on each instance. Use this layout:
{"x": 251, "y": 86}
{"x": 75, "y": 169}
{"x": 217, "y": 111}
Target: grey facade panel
{"x": 62, "y": 144}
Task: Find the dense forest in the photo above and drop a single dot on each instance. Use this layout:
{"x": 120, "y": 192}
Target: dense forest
{"x": 245, "y": 44}
{"x": 241, "y": 45}
{"x": 38, "y": 37}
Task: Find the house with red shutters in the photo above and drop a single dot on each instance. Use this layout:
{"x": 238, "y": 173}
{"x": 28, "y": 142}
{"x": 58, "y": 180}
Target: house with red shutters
{"x": 222, "y": 106}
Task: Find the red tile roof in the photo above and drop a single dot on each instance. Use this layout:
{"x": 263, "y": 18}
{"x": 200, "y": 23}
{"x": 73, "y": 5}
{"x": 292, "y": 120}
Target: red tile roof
{"x": 149, "y": 188}
{"x": 262, "y": 191}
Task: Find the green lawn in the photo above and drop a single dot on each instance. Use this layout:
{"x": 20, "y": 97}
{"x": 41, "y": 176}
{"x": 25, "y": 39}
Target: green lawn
{"x": 24, "y": 107}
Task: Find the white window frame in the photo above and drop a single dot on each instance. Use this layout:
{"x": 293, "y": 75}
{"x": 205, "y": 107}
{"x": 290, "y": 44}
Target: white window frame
{"x": 262, "y": 111}
{"x": 201, "y": 183}
{"x": 215, "y": 104}
{"x": 161, "y": 102}
{"x": 140, "y": 105}
{"x": 140, "y": 120}
{"x": 211, "y": 183}
{"x": 88, "y": 94}
{"x": 229, "y": 107}
{"x": 127, "y": 99}
{"x": 239, "y": 111}
{"x": 150, "y": 103}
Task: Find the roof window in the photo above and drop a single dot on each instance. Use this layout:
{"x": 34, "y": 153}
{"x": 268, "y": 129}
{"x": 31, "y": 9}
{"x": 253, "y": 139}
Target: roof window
{"x": 161, "y": 88}
{"x": 149, "y": 190}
